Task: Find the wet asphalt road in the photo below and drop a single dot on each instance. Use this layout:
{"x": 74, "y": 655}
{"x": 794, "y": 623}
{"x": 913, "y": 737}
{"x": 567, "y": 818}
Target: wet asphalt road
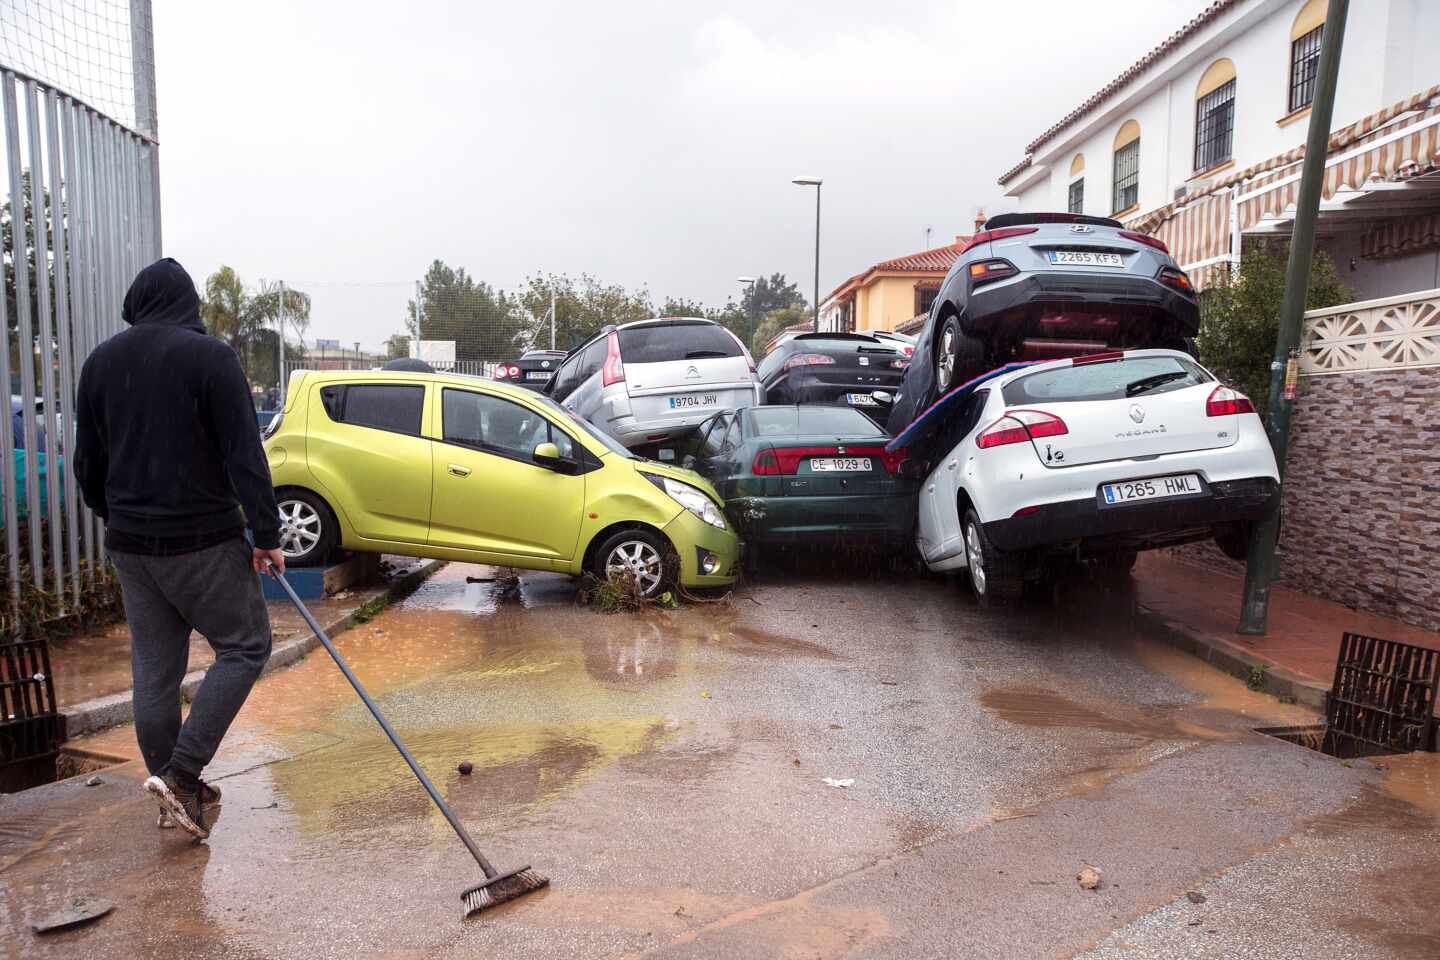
{"x": 668, "y": 771}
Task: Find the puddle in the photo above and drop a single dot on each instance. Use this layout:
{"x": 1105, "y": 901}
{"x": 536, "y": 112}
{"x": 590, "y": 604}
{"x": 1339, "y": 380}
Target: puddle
{"x": 1043, "y": 708}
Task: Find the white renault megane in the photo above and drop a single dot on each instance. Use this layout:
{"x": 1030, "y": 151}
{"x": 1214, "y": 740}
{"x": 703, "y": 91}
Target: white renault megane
{"x": 1092, "y": 459}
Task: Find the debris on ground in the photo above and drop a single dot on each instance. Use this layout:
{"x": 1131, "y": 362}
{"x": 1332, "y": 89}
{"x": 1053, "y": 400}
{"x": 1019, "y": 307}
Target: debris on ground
{"x": 79, "y": 910}
{"x": 1089, "y": 878}
{"x": 465, "y": 768}
{"x": 1195, "y": 896}
{"x": 704, "y": 694}
{"x": 93, "y": 782}
{"x": 832, "y": 782}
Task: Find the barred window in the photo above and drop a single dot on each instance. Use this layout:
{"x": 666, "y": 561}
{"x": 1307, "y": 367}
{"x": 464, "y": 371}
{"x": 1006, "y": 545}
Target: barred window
{"x": 1304, "y": 62}
{"x": 1214, "y": 126}
{"x": 1077, "y": 197}
{"x": 1127, "y": 176}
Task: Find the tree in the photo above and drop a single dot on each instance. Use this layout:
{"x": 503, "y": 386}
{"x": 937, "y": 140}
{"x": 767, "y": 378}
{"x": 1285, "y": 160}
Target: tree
{"x": 248, "y": 321}
{"x": 397, "y": 345}
{"x": 12, "y": 311}
{"x": 1240, "y": 316}
{"x": 762, "y": 298}
{"x": 484, "y": 322}
{"x": 774, "y": 322}
{"x": 582, "y": 307}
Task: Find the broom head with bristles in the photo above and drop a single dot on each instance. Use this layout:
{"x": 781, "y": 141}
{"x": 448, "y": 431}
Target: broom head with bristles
{"x": 502, "y": 889}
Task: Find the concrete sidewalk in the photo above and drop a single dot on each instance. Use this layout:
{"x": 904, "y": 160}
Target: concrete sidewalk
{"x": 1197, "y": 607}
{"x": 92, "y": 669}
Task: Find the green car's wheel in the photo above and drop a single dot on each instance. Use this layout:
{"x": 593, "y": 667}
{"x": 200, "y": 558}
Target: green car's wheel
{"x": 640, "y": 554}
{"x": 308, "y": 531}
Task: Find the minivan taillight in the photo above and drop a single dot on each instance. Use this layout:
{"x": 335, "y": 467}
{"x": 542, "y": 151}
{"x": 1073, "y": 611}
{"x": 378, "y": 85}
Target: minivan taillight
{"x": 1019, "y": 426}
{"x": 614, "y": 369}
{"x": 1224, "y": 402}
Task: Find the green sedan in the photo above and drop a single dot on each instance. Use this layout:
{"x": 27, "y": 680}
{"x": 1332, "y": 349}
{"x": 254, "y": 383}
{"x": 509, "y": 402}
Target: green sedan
{"x": 793, "y": 473}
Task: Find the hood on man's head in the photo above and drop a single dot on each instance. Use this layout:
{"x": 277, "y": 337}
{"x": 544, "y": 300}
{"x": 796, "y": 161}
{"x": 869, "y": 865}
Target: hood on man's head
{"x": 163, "y": 293}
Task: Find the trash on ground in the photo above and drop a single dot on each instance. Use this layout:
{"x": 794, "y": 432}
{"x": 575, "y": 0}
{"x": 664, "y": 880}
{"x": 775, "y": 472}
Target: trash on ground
{"x": 1089, "y": 878}
{"x": 79, "y": 910}
{"x": 93, "y": 782}
{"x": 832, "y": 782}
{"x": 465, "y": 768}
{"x": 1195, "y": 896}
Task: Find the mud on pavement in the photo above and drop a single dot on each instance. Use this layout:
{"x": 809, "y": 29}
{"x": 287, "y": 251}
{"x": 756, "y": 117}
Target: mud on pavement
{"x": 668, "y": 770}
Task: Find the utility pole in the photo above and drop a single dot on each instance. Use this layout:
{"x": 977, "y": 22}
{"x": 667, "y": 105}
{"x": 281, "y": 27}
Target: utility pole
{"x": 280, "y": 341}
{"x": 1260, "y": 570}
{"x": 415, "y": 349}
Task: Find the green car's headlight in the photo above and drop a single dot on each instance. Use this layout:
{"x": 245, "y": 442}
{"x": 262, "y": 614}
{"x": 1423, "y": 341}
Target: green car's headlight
{"x": 691, "y": 498}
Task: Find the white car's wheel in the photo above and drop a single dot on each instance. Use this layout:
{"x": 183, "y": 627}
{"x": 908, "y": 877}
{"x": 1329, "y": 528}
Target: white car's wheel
{"x": 992, "y": 574}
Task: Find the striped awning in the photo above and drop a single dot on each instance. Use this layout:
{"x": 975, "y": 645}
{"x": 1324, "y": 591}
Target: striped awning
{"x": 1403, "y": 147}
{"x": 1198, "y": 234}
{"x": 1395, "y": 143}
{"x": 1401, "y": 237}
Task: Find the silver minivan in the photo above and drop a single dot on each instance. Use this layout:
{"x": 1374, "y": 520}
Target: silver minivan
{"x": 653, "y": 382}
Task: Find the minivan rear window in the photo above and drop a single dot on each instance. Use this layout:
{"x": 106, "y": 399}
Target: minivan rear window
{"x": 1113, "y": 380}
{"x": 662, "y": 342}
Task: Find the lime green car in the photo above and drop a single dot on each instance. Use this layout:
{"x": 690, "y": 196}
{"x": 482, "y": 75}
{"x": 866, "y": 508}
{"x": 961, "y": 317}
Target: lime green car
{"x": 464, "y": 468}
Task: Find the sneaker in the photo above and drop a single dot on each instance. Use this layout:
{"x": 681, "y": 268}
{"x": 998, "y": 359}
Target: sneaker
{"x": 186, "y": 808}
{"x": 209, "y": 794}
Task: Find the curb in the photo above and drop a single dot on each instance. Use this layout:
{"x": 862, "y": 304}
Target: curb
{"x": 1274, "y": 679}
{"x": 115, "y": 709}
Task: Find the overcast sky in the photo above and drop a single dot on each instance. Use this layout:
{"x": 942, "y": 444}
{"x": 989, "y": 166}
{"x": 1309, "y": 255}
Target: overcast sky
{"x": 644, "y": 142}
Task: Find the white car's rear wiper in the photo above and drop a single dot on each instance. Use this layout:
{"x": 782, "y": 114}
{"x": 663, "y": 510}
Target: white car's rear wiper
{"x": 1150, "y": 383}
{"x": 702, "y": 354}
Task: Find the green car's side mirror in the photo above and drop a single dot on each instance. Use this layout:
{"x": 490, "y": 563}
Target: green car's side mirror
{"x": 548, "y": 455}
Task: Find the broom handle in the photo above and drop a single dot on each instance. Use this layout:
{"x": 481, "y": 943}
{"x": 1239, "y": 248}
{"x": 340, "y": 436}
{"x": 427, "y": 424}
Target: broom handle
{"x": 385, "y": 725}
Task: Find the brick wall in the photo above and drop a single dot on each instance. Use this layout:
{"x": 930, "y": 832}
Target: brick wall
{"x": 1362, "y": 494}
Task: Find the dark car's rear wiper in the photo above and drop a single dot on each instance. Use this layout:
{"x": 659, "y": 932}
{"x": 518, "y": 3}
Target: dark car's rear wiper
{"x": 701, "y": 354}
{"x": 1150, "y": 383}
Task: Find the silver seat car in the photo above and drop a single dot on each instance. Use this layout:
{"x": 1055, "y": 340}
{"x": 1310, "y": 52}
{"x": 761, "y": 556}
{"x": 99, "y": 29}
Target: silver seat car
{"x": 652, "y": 382}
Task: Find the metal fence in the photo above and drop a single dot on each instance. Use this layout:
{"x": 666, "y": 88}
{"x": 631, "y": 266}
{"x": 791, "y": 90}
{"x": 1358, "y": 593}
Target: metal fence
{"x": 81, "y": 218}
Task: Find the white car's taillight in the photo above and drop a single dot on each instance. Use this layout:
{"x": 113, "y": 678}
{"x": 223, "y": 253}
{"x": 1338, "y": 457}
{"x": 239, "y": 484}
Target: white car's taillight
{"x": 1020, "y": 426}
{"x": 1224, "y": 402}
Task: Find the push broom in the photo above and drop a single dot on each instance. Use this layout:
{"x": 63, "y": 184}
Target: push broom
{"x": 497, "y": 887}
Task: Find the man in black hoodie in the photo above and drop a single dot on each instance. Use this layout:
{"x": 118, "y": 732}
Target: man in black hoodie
{"x": 168, "y": 454}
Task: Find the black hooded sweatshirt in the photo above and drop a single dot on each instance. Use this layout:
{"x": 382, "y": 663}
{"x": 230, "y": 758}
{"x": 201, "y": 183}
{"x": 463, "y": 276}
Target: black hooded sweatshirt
{"x": 167, "y": 445}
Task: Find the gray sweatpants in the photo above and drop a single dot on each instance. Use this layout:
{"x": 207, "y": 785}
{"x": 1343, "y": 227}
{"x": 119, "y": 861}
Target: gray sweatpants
{"x": 216, "y": 592}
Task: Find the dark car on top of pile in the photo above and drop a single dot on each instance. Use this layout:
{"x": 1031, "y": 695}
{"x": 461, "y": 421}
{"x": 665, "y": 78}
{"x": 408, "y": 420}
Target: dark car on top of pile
{"x": 854, "y": 369}
{"x": 1041, "y": 286}
{"x": 533, "y": 370}
{"x": 792, "y": 473}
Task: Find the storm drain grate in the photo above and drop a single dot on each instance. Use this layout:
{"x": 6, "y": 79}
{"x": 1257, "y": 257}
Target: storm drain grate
{"x": 30, "y": 726}
{"x": 1382, "y": 702}
{"x": 1384, "y": 694}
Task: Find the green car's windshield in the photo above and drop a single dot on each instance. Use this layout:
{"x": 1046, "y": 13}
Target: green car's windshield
{"x": 570, "y": 417}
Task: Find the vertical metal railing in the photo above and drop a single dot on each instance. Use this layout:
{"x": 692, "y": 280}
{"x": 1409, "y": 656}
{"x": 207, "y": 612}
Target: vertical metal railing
{"x": 84, "y": 218}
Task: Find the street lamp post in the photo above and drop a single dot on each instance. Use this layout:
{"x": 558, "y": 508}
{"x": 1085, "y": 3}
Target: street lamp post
{"x": 747, "y": 284}
{"x": 814, "y": 182}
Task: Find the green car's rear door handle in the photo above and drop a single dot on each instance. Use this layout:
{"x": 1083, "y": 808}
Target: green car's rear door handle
{"x": 459, "y": 471}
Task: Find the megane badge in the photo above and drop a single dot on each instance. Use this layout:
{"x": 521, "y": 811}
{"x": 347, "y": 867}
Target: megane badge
{"x": 1137, "y": 413}
{"x": 1081, "y": 228}
{"x": 545, "y": 364}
